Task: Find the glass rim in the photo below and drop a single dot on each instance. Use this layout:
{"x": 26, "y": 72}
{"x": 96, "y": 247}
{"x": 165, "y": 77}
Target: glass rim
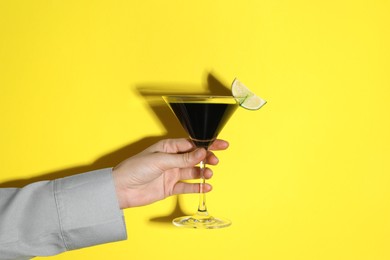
{"x": 200, "y": 99}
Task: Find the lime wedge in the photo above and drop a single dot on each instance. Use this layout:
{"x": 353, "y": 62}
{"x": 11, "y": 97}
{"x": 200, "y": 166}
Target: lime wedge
{"x": 246, "y": 98}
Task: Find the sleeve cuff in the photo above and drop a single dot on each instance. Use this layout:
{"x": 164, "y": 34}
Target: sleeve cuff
{"x": 88, "y": 209}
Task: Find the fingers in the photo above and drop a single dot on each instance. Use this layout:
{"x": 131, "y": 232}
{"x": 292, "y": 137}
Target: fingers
{"x": 211, "y": 158}
{"x": 181, "y": 145}
{"x": 177, "y": 153}
{"x": 182, "y": 188}
{"x": 194, "y": 173}
{"x": 166, "y": 161}
{"x": 219, "y": 145}
{"x": 189, "y": 174}
{"x": 185, "y": 160}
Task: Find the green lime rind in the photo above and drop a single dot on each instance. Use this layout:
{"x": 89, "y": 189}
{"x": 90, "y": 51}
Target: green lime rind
{"x": 246, "y": 98}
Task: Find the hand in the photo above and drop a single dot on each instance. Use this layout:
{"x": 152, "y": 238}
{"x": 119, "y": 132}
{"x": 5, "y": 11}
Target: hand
{"x": 158, "y": 172}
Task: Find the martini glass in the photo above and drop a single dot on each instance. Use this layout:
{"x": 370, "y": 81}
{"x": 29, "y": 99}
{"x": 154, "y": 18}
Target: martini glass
{"x": 203, "y": 117}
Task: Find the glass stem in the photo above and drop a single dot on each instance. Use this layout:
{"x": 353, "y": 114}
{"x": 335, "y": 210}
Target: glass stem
{"x": 202, "y": 209}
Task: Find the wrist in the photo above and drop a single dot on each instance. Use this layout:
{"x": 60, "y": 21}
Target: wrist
{"x": 119, "y": 191}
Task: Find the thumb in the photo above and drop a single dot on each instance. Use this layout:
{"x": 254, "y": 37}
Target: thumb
{"x": 168, "y": 161}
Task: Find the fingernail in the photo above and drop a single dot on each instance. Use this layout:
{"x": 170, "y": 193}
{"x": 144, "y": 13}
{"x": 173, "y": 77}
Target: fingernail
{"x": 208, "y": 188}
{"x": 216, "y": 160}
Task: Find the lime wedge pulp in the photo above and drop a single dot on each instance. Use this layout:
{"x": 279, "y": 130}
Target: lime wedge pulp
{"x": 246, "y": 98}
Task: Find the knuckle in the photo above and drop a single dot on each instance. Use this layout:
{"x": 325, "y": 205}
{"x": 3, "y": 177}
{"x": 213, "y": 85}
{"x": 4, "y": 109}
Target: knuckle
{"x": 167, "y": 145}
{"x": 163, "y": 144}
{"x": 186, "y": 158}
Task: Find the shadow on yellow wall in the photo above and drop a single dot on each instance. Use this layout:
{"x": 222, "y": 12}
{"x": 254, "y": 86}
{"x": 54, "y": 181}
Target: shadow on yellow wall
{"x": 152, "y": 94}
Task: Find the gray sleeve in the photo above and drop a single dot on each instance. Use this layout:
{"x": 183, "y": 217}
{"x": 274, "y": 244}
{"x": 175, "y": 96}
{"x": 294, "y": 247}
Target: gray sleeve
{"x": 49, "y": 217}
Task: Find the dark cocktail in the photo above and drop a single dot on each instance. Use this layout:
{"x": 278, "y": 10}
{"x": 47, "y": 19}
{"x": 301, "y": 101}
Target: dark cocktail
{"x": 203, "y": 117}
{"x": 203, "y": 121}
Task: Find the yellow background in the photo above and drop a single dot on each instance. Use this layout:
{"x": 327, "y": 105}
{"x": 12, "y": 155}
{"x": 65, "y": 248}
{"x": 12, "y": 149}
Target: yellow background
{"x": 306, "y": 177}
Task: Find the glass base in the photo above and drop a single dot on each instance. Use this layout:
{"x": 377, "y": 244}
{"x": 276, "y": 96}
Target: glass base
{"x": 201, "y": 222}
